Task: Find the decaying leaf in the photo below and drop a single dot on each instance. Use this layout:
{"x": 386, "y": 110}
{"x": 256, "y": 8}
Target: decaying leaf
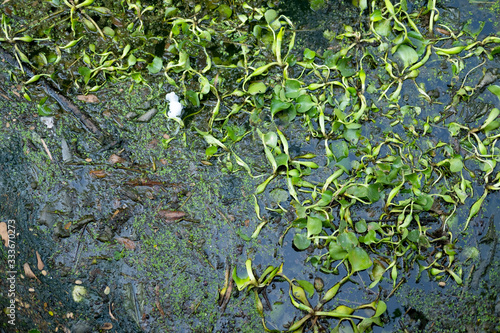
{"x": 113, "y": 159}
{"x": 98, "y": 173}
{"x": 28, "y": 272}
{"x": 129, "y": 244}
{"x": 106, "y": 326}
{"x": 40, "y": 264}
{"x": 157, "y": 301}
{"x": 88, "y": 98}
{"x": 169, "y": 215}
{"x": 4, "y": 234}
{"x": 111, "y": 314}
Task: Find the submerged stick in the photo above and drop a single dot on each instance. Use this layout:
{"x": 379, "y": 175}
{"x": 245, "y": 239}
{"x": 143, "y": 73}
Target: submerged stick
{"x": 88, "y": 123}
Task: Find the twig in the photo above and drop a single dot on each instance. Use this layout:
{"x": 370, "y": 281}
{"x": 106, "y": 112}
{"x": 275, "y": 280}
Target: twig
{"x": 395, "y": 288}
{"x": 46, "y": 149}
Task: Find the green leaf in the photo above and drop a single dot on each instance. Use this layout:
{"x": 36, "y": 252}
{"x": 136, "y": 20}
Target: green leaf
{"x": 383, "y": 28}
{"x": 155, "y": 66}
{"x": 336, "y": 251}
{"x": 426, "y": 201}
{"x": 301, "y": 241}
{"x": 340, "y": 149}
{"x": 413, "y": 236}
{"x": 369, "y": 238}
{"x": 344, "y": 67}
{"x": 361, "y": 226}
{"x": 257, "y": 88}
{"x": 390, "y": 7}
{"x": 242, "y": 235}
{"x": 407, "y": 54}
{"x": 204, "y": 85}
{"x": 44, "y": 110}
{"x": 314, "y": 226}
{"x": 359, "y": 259}
{"x": 331, "y": 58}
{"x": 279, "y": 195}
{"x": 85, "y": 72}
{"x": 211, "y": 150}
{"x": 309, "y": 54}
{"x": 316, "y": 4}
{"x": 456, "y": 165}
{"x": 193, "y": 97}
{"x": 373, "y": 192}
{"x": 225, "y": 11}
{"x": 277, "y": 106}
{"x": 270, "y": 15}
{"x": 281, "y": 159}
{"x": 108, "y": 31}
{"x": 475, "y": 208}
{"x": 347, "y": 240}
{"x": 304, "y": 103}
{"x": 211, "y": 140}
{"x": 292, "y": 88}
{"x": 241, "y": 283}
{"x": 307, "y": 286}
{"x": 271, "y": 139}
{"x": 258, "y": 229}
{"x": 131, "y": 60}
{"x": 263, "y": 185}
{"x": 495, "y": 90}
{"x": 491, "y": 118}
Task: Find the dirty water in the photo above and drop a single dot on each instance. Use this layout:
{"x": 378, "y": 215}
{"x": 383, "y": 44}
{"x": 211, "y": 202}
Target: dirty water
{"x": 149, "y": 232}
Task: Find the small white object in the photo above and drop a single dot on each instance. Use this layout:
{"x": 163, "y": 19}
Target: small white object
{"x": 174, "y": 107}
{"x": 48, "y": 121}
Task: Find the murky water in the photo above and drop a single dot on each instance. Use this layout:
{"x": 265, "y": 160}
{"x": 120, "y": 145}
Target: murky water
{"x": 108, "y": 227}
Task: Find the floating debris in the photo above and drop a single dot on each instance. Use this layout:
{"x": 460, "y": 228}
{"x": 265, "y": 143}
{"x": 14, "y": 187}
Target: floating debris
{"x": 174, "y": 107}
{"x": 147, "y": 116}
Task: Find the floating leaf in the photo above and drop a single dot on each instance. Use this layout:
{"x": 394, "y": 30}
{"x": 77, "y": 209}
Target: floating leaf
{"x": 495, "y": 90}
{"x": 369, "y": 238}
{"x": 304, "y": 103}
{"x": 257, "y": 88}
{"x": 314, "y": 226}
{"x": 361, "y": 226}
{"x": 336, "y": 251}
{"x": 475, "y": 208}
{"x": 307, "y": 286}
{"x": 270, "y": 15}
{"x": 456, "y": 165}
{"x": 169, "y": 215}
{"x": 301, "y": 241}
{"x": 155, "y": 66}
{"x": 277, "y": 106}
{"x": 347, "y": 240}
{"x": 292, "y": 88}
{"x": 407, "y": 54}
{"x": 359, "y": 259}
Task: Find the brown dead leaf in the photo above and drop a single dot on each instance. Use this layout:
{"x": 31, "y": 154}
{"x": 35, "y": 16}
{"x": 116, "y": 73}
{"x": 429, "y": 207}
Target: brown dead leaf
{"x": 157, "y": 301}
{"x": 4, "y": 234}
{"x": 40, "y": 264}
{"x": 28, "y": 272}
{"x": 106, "y": 326}
{"x": 113, "y": 159}
{"x": 68, "y": 225}
{"x": 169, "y": 215}
{"x": 98, "y": 173}
{"x": 443, "y": 31}
{"x": 88, "y": 98}
{"x": 129, "y": 244}
{"x": 110, "y": 314}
